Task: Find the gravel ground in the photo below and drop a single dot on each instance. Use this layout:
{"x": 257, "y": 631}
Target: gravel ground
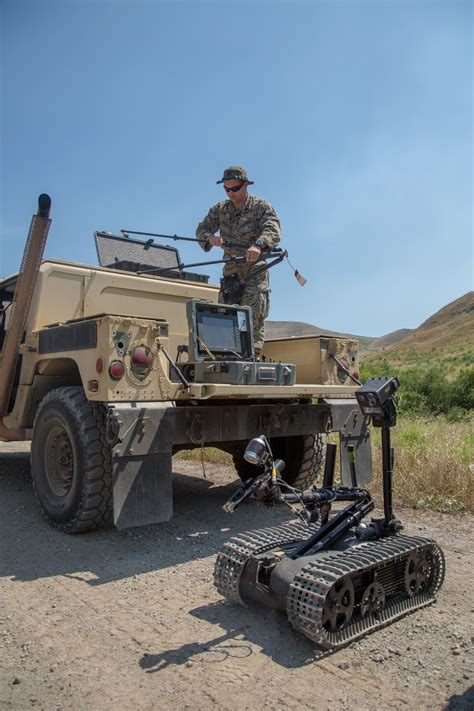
{"x": 130, "y": 619}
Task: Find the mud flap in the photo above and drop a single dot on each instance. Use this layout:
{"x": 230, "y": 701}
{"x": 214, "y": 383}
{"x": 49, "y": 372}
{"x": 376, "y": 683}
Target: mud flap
{"x": 142, "y": 490}
{"x": 348, "y": 420}
{"x": 142, "y": 464}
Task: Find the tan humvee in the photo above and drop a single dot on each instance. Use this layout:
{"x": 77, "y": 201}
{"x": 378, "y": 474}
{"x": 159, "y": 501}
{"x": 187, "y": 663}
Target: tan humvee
{"x": 97, "y": 388}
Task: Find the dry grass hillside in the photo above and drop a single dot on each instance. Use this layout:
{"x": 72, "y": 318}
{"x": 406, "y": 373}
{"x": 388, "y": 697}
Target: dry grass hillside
{"x": 294, "y": 329}
{"x": 388, "y": 340}
{"x": 446, "y": 338}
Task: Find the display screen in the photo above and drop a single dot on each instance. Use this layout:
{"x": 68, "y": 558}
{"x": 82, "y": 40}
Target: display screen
{"x": 222, "y": 331}
{"x": 219, "y": 331}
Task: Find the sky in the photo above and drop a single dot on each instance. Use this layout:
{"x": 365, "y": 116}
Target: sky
{"x": 353, "y": 117}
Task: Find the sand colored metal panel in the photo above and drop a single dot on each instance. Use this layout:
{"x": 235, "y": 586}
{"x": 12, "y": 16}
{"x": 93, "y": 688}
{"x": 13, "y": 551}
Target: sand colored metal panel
{"x": 67, "y": 291}
{"x": 313, "y": 357}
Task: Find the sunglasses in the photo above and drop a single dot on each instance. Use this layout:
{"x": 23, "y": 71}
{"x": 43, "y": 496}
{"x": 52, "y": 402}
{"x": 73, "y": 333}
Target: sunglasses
{"x": 235, "y": 189}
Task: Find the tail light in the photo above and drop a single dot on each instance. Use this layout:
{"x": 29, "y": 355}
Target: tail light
{"x": 342, "y": 369}
{"x": 141, "y": 360}
{"x": 141, "y": 355}
{"x": 116, "y": 370}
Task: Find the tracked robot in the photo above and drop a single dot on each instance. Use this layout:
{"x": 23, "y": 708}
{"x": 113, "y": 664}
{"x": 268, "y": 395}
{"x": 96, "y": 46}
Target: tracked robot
{"x": 336, "y": 576}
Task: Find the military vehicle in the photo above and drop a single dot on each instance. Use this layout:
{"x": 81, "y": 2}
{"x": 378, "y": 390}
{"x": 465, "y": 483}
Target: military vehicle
{"x": 110, "y": 369}
{"x": 336, "y": 577}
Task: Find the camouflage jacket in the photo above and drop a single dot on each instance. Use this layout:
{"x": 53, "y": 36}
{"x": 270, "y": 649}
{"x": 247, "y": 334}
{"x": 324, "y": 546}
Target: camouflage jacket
{"x": 255, "y": 219}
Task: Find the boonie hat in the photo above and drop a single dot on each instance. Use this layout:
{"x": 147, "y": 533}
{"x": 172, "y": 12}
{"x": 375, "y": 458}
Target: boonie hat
{"x": 235, "y": 172}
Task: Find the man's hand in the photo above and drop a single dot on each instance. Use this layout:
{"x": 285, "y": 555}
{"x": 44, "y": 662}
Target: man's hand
{"x": 215, "y": 241}
{"x": 253, "y": 253}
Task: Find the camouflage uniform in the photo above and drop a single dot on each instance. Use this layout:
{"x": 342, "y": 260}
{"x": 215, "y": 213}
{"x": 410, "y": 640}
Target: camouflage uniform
{"x": 255, "y": 219}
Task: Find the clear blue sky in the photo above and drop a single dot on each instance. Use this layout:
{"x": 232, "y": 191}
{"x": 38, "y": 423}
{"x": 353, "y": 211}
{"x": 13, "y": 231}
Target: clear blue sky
{"x": 353, "y": 118}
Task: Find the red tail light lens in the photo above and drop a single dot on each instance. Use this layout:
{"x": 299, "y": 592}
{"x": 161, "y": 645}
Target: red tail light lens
{"x": 141, "y": 361}
{"x": 116, "y": 370}
{"x": 342, "y": 369}
{"x": 141, "y": 355}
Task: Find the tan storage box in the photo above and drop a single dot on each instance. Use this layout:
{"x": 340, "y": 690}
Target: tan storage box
{"x": 315, "y": 357}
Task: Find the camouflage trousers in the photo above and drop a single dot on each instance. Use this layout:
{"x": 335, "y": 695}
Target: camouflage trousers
{"x": 257, "y": 296}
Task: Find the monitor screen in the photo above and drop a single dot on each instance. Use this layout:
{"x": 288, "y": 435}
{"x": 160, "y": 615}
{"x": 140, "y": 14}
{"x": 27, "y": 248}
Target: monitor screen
{"x": 219, "y": 331}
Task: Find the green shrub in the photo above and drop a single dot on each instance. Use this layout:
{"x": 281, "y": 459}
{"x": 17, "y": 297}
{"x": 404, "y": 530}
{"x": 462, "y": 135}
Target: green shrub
{"x": 463, "y": 389}
{"x": 412, "y": 402}
{"x": 456, "y": 414}
{"x": 427, "y": 390}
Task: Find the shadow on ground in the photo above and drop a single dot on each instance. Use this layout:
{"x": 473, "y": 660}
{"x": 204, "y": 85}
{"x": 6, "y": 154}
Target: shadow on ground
{"x": 461, "y": 702}
{"x": 198, "y": 529}
{"x": 243, "y": 629}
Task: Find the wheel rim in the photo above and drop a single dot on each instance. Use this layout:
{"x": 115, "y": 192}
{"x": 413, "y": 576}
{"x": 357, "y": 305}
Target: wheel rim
{"x": 339, "y": 605}
{"x": 419, "y": 572}
{"x": 59, "y": 461}
{"x": 373, "y": 600}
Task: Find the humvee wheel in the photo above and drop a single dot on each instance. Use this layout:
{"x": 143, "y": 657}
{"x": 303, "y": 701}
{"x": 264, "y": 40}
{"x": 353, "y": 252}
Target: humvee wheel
{"x": 303, "y": 456}
{"x": 71, "y": 461}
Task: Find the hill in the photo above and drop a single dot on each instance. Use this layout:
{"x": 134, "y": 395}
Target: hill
{"x": 445, "y": 338}
{"x": 384, "y": 341}
{"x": 294, "y": 329}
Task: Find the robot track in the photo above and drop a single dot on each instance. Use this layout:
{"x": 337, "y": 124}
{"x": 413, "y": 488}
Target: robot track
{"x": 236, "y": 552}
{"x": 342, "y": 595}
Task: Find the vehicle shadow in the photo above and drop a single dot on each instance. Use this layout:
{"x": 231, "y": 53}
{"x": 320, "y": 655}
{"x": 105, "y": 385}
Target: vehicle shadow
{"x": 32, "y": 549}
{"x": 461, "y": 702}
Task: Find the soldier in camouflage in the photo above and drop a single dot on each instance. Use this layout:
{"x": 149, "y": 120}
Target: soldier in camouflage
{"x": 250, "y": 225}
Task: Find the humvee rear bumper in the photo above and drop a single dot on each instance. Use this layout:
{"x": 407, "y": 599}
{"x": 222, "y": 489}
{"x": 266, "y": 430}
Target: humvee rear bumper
{"x": 200, "y": 391}
{"x": 144, "y": 435}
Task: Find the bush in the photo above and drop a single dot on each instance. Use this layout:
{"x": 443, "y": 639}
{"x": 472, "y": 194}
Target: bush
{"x": 412, "y": 402}
{"x": 427, "y": 390}
{"x": 463, "y": 389}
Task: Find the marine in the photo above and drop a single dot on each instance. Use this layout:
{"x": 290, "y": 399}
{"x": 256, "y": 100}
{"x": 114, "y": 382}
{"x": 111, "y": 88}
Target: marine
{"x": 247, "y": 225}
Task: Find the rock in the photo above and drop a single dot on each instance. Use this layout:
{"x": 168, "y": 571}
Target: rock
{"x": 343, "y": 665}
{"x": 16, "y": 680}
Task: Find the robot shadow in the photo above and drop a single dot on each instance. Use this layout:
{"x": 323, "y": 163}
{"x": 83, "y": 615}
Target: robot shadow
{"x": 245, "y": 631}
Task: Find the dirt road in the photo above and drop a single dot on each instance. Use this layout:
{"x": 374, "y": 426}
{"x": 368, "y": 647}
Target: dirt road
{"x": 131, "y": 620}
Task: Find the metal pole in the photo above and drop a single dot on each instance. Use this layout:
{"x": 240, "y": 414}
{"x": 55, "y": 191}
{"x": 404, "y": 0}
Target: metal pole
{"x": 25, "y": 286}
{"x": 329, "y": 466}
{"x": 387, "y": 465}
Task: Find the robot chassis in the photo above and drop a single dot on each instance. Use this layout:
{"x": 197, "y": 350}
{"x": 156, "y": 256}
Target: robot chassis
{"x": 336, "y": 578}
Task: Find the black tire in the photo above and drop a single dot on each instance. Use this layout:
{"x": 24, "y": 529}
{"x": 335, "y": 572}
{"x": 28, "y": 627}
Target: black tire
{"x": 303, "y": 456}
{"x": 71, "y": 461}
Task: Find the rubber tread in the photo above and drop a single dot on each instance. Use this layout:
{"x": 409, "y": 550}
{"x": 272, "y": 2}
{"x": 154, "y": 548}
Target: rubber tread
{"x": 95, "y": 506}
{"x": 310, "y": 587}
{"x": 230, "y": 561}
